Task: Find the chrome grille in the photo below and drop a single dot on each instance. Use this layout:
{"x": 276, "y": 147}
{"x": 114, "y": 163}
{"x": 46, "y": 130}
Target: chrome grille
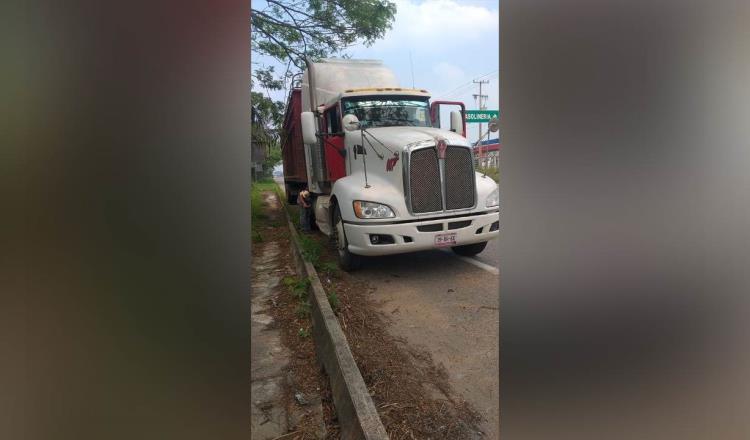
{"x": 459, "y": 178}
{"x": 424, "y": 181}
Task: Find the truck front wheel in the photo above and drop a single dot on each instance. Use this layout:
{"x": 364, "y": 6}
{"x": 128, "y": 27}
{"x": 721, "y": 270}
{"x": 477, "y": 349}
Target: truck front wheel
{"x": 347, "y": 260}
{"x": 469, "y": 250}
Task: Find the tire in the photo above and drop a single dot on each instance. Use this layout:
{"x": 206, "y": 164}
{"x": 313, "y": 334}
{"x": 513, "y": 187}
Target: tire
{"x": 469, "y": 250}
{"x": 347, "y": 261}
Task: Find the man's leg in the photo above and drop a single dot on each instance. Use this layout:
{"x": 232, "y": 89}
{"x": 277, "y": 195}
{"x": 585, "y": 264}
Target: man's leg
{"x": 307, "y": 226}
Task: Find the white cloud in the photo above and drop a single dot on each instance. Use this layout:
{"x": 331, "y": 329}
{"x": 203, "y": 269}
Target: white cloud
{"x": 438, "y": 25}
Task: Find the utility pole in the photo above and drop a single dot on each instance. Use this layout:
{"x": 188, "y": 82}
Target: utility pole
{"x": 482, "y": 101}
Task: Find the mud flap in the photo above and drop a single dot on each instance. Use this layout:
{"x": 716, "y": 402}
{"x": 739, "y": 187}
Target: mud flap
{"x": 321, "y": 209}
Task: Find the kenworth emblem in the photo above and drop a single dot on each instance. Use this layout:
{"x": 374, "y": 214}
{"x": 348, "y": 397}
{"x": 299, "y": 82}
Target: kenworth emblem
{"x": 442, "y": 145}
{"x": 391, "y": 162}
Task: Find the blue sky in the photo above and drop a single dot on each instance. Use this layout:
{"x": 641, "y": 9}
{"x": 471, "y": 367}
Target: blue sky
{"x": 451, "y": 43}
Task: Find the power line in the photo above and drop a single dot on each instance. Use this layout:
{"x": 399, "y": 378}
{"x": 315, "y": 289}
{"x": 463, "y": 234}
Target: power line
{"x": 468, "y": 83}
{"x": 482, "y": 99}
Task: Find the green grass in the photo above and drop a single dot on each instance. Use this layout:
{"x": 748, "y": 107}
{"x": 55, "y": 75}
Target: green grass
{"x": 298, "y": 286}
{"x": 491, "y": 172}
{"x": 256, "y": 204}
{"x": 311, "y": 249}
{"x": 264, "y": 185}
{"x": 257, "y": 217}
{"x": 293, "y": 212}
{"x": 328, "y": 267}
{"x": 303, "y": 310}
{"x": 333, "y": 299}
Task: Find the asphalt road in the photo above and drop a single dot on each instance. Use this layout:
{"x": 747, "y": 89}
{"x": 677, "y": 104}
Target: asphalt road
{"x": 491, "y": 254}
{"x": 448, "y": 305}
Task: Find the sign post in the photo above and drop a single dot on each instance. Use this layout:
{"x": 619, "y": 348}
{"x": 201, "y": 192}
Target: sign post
{"x": 480, "y": 116}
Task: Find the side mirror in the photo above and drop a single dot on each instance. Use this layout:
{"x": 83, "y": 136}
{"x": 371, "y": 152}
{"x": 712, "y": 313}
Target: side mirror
{"x": 494, "y": 125}
{"x": 351, "y": 122}
{"x": 457, "y": 123}
{"x": 308, "y": 128}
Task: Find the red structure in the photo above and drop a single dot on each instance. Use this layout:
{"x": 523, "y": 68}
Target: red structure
{"x": 490, "y": 145}
{"x": 292, "y": 148}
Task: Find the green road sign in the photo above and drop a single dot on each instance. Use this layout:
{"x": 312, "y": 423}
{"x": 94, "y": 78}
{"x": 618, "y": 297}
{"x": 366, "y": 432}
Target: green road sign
{"x": 481, "y": 115}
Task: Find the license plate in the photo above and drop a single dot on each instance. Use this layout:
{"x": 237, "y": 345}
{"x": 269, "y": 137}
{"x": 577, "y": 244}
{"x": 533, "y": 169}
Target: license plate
{"x": 448, "y": 239}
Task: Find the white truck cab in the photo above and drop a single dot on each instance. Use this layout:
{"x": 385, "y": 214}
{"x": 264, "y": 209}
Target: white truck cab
{"x": 386, "y": 180}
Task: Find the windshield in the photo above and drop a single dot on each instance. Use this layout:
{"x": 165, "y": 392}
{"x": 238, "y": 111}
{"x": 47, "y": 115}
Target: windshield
{"x": 387, "y": 111}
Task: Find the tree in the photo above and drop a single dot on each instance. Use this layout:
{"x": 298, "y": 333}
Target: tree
{"x": 290, "y": 30}
{"x": 265, "y": 116}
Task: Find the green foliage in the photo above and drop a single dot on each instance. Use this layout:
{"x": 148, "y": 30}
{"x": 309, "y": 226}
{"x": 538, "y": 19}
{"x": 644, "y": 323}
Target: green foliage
{"x": 293, "y": 211}
{"x": 492, "y": 172}
{"x": 273, "y": 157}
{"x": 264, "y": 185}
{"x": 256, "y": 198}
{"x": 288, "y": 280}
{"x": 257, "y": 216}
{"x": 298, "y": 287}
{"x": 282, "y": 198}
{"x": 266, "y": 118}
{"x": 311, "y": 249}
{"x": 303, "y": 333}
{"x": 289, "y": 30}
{"x": 328, "y": 267}
{"x": 303, "y": 309}
{"x": 256, "y": 206}
{"x": 333, "y": 299}
{"x": 266, "y": 112}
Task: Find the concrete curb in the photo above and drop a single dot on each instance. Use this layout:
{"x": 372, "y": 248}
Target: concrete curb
{"x": 356, "y": 411}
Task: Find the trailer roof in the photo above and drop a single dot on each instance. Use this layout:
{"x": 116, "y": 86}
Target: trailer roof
{"x": 332, "y": 77}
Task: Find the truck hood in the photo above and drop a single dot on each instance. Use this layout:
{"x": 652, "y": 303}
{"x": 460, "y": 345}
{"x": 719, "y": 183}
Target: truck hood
{"x": 397, "y": 138}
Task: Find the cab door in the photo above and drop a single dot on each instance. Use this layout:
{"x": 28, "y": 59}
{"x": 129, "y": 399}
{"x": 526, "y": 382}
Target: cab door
{"x": 333, "y": 141}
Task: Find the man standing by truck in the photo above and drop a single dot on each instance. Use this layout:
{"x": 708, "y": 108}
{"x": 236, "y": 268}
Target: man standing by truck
{"x": 305, "y": 210}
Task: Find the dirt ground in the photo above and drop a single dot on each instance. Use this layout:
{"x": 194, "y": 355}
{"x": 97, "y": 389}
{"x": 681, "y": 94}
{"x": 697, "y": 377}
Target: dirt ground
{"x": 304, "y": 378}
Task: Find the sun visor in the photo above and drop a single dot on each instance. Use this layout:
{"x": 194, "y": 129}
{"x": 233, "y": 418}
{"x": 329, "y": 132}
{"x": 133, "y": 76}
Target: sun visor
{"x": 333, "y": 76}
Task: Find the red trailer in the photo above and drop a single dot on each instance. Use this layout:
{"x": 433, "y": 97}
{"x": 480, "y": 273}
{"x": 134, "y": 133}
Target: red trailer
{"x": 292, "y": 148}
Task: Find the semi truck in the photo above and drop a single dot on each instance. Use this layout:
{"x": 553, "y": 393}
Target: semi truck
{"x": 385, "y": 177}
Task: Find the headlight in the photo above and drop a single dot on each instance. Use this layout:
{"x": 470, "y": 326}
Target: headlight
{"x": 493, "y": 199}
{"x": 372, "y": 210}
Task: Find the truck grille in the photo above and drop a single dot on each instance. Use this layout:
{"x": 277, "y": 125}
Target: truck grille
{"x": 425, "y": 184}
{"x": 459, "y": 178}
{"x": 424, "y": 181}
